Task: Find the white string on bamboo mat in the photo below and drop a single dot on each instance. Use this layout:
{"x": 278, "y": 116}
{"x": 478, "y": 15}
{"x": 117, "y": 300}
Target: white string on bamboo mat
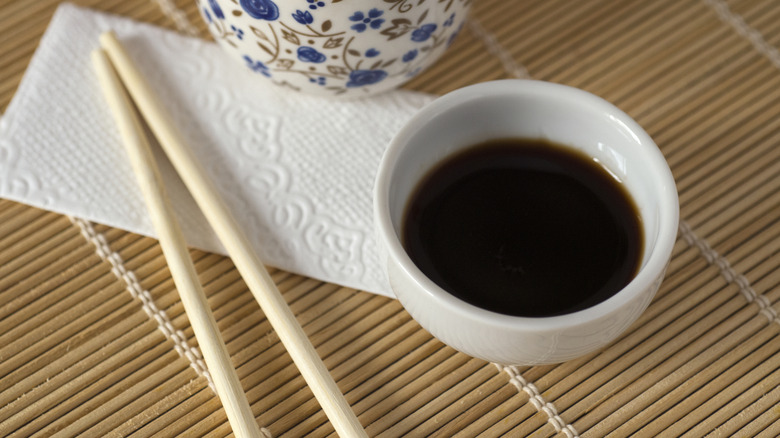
{"x": 494, "y": 47}
{"x": 147, "y": 303}
{"x": 178, "y": 16}
{"x": 133, "y": 286}
{"x": 536, "y": 399}
{"x": 731, "y": 276}
{"x": 736, "y": 21}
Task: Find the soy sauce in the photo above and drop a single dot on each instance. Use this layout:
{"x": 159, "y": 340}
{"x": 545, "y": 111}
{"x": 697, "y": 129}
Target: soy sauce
{"x": 524, "y": 227}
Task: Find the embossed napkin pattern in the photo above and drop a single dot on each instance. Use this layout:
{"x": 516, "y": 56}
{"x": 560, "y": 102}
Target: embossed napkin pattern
{"x": 296, "y": 170}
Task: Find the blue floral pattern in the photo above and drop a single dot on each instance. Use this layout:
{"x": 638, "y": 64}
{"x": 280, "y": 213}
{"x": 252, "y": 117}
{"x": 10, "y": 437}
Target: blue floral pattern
{"x": 310, "y": 54}
{"x": 217, "y": 9}
{"x": 303, "y": 17}
{"x": 239, "y": 33}
{"x": 371, "y": 19}
{"x": 359, "y": 78}
{"x": 321, "y": 80}
{"x": 257, "y": 66}
{"x": 423, "y": 32}
{"x": 314, "y": 4}
{"x": 260, "y": 9}
{"x": 317, "y": 43}
{"x": 449, "y": 21}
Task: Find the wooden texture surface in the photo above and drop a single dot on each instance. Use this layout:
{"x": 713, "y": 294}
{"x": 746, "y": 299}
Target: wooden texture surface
{"x": 94, "y": 340}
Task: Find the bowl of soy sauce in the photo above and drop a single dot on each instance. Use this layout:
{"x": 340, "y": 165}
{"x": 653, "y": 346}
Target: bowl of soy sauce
{"x": 524, "y": 222}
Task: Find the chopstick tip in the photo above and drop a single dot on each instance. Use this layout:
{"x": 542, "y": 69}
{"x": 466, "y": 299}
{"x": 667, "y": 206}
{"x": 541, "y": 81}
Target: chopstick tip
{"x": 106, "y": 38}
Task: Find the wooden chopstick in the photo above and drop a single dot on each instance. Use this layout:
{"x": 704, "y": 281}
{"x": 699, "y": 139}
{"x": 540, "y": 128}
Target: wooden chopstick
{"x": 174, "y": 247}
{"x": 237, "y": 245}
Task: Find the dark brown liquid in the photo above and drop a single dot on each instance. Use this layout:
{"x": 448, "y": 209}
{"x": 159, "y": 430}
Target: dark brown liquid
{"x": 525, "y": 228}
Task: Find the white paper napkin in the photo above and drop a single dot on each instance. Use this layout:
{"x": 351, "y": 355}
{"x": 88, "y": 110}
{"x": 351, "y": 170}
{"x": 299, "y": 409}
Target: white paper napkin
{"x": 296, "y": 170}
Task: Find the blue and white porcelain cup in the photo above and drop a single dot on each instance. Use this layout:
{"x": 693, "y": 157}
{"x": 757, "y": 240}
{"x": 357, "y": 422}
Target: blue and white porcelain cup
{"x": 335, "y": 47}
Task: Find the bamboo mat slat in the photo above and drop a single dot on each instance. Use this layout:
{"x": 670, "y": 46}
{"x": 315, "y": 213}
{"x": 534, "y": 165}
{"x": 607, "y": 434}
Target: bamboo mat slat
{"x": 95, "y": 342}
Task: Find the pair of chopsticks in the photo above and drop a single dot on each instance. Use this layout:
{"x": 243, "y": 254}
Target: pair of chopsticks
{"x": 113, "y": 59}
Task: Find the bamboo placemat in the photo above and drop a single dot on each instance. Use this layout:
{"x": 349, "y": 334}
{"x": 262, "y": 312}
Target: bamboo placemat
{"x": 94, "y": 341}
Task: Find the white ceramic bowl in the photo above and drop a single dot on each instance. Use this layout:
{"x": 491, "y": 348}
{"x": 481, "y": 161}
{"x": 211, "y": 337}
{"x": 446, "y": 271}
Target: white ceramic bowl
{"x": 335, "y": 48}
{"x": 526, "y": 109}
